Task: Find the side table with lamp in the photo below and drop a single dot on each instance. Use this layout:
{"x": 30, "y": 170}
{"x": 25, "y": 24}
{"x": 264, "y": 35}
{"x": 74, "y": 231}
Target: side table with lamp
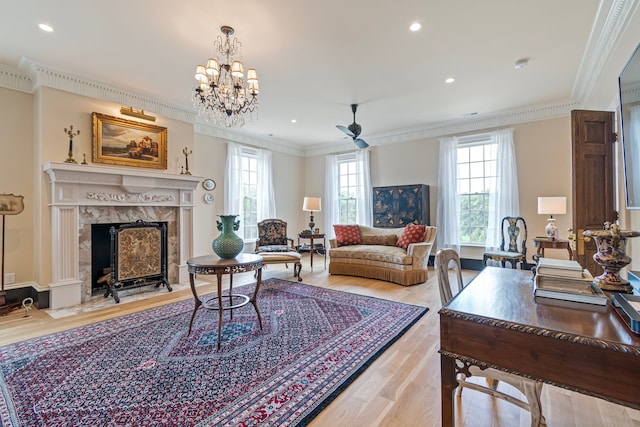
{"x": 312, "y": 204}
{"x": 552, "y": 206}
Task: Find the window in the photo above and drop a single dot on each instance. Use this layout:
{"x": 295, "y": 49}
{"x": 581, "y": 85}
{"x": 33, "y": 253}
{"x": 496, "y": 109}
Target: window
{"x": 348, "y": 184}
{"x": 250, "y": 194}
{"x": 347, "y": 190}
{"x": 248, "y": 188}
{"x": 476, "y": 178}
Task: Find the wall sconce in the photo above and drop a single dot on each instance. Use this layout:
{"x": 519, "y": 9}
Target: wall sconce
{"x": 130, "y": 111}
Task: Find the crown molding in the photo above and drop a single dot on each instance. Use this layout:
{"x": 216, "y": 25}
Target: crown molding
{"x": 611, "y": 20}
{"x": 12, "y": 78}
{"x": 241, "y": 137}
{"x": 483, "y": 122}
{"x": 42, "y": 75}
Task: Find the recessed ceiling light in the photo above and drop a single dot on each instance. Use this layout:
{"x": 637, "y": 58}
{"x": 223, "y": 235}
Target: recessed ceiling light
{"x": 46, "y": 27}
{"x": 450, "y": 80}
{"x": 294, "y": 121}
{"x": 415, "y": 26}
{"x": 521, "y": 63}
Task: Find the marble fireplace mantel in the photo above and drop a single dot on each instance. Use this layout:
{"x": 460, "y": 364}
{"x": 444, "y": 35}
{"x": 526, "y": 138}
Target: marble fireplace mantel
{"x": 74, "y": 186}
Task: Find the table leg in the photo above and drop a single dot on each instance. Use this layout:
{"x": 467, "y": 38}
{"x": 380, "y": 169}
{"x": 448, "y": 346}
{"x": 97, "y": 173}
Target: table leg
{"x": 448, "y": 386}
{"x": 196, "y": 300}
{"x": 254, "y": 298}
{"x": 312, "y": 248}
{"x": 230, "y": 297}
{"x": 570, "y": 250}
{"x": 220, "y": 310}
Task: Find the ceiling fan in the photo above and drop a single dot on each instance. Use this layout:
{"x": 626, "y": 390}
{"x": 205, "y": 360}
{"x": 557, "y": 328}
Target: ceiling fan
{"x": 354, "y": 129}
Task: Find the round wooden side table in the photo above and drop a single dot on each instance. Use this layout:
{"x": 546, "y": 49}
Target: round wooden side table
{"x": 212, "y": 264}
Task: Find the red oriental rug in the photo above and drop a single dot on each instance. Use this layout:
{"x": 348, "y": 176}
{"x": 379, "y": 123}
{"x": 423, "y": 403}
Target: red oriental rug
{"x": 143, "y": 369}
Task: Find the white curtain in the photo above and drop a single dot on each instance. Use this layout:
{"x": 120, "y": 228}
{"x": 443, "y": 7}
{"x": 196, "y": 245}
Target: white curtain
{"x": 331, "y": 190}
{"x": 503, "y": 198}
{"x": 266, "y": 194}
{"x": 632, "y": 155}
{"x": 364, "y": 208}
{"x": 448, "y": 208}
{"x": 364, "y": 198}
{"x": 233, "y": 187}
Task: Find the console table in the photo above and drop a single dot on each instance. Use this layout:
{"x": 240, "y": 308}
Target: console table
{"x": 496, "y": 322}
{"x": 212, "y": 264}
{"x": 543, "y": 243}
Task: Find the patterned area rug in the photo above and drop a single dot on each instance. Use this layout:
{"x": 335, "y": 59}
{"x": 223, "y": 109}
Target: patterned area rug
{"x": 143, "y": 369}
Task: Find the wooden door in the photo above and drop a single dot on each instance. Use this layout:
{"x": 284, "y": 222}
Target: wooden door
{"x": 593, "y": 179}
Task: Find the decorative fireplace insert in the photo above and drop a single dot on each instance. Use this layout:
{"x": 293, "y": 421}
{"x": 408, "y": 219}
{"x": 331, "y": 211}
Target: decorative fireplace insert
{"x": 138, "y": 256}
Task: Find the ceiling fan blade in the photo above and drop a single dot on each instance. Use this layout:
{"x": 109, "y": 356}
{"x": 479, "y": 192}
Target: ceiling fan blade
{"x": 346, "y": 130}
{"x": 360, "y": 143}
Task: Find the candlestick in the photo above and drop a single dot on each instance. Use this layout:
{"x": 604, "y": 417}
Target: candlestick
{"x": 71, "y": 134}
{"x": 186, "y": 160}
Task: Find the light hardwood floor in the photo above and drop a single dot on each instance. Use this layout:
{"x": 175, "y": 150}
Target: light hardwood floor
{"x": 401, "y": 388}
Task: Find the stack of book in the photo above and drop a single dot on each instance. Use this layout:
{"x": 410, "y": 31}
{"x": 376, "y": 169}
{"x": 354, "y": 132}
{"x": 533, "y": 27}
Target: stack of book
{"x": 566, "y": 280}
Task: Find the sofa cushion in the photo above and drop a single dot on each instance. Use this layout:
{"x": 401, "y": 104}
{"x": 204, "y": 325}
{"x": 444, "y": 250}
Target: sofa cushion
{"x": 385, "y": 240}
{"x": 371, "y": 254}
{"x": 413, "y": 233}
{"x": 347, "y": 234}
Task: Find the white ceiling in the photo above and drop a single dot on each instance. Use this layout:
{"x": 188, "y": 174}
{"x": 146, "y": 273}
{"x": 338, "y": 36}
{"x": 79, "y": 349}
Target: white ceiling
{"x": 315, "y": 58}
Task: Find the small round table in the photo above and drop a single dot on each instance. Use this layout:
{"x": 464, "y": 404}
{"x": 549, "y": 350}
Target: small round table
{"x": 212, "y": 264}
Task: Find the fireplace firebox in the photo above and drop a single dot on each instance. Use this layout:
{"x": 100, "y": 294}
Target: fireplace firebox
{"x": 133, "y": 255}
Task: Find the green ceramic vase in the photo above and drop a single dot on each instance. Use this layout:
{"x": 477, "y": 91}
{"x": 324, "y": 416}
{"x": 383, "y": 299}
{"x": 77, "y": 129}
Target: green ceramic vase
{"x": 228, "y": 244}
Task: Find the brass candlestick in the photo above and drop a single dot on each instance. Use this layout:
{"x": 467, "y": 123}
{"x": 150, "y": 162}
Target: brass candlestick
{"x": 71, "y": 134}
{"x": 186, "y": 160}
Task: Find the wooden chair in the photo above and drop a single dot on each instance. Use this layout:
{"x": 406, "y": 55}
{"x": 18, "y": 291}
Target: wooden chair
{"x": 276, "y": 247}
{"x": 529, "y": 388}
{"x": 513, "y": 246}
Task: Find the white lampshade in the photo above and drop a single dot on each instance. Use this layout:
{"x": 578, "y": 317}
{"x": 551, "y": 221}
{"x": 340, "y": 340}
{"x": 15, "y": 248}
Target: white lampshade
{"x": 213, "y": 69}
{"x": 201, "y": 75}
{"x": 237, "y": 70}
{"x": 312, "y": 204}
{"x": 552, "y": 205}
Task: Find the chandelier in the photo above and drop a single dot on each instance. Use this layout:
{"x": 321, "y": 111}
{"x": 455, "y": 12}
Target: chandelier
{"x": 223, "y": 95}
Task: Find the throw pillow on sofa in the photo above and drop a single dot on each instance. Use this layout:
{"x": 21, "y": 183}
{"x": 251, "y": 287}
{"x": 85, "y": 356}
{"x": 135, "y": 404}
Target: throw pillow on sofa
{"x": 413, "y": 233}
{"x": 347, "y": 235}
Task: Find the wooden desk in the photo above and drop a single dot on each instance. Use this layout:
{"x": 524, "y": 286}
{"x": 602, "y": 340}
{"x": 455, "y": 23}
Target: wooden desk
{"x": 495, "y": 322}
{"x": 212, "y": 264}
{"x": 312, "y": 247}
{"x": 543, "y": 243}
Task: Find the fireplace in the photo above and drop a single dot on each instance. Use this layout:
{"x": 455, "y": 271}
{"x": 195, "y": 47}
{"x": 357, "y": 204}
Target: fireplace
{"x": 125, "y": 255}
{"x": 85, "y": 195}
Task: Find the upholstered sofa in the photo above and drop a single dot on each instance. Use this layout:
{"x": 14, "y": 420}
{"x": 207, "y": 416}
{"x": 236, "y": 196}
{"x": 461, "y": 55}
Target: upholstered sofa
{"x": 377, "y": 255}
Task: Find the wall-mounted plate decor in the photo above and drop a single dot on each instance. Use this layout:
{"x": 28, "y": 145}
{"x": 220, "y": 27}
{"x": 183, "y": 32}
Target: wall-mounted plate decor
{"x": 208, "y": 198}
{"x": 209, "y": 184}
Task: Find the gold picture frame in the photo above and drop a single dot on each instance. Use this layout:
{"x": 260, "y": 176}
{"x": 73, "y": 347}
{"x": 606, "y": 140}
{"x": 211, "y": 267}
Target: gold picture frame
{"x": 118, "y": 141}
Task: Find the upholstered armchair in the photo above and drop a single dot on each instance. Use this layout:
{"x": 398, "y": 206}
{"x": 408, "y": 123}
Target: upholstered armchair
{"x": 272, "y": 236}
{"x": 275, "y": 247}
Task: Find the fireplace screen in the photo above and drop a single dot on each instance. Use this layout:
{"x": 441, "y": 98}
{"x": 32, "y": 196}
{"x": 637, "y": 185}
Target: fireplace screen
{"x": 138, "y": 256}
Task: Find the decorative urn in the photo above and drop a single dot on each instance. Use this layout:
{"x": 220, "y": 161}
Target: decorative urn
{"x": 612, "y": 256}
{"x": 228, "y": 244}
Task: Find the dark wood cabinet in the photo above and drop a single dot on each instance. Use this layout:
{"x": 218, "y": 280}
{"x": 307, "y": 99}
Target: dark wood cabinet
{"x": 398, "y": 205}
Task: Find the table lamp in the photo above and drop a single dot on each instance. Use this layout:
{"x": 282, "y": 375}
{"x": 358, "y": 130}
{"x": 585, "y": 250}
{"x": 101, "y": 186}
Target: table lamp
{"x": 311, "y": 204}
{"x": 550, "y": 206}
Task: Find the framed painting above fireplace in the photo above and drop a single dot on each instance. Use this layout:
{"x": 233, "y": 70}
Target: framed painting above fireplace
{"x": 118, "y": 141}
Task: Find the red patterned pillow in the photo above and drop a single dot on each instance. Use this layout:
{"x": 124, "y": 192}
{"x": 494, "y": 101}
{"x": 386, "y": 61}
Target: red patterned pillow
{"x": 413, "y": 233}
{"x": 347, "y": 235}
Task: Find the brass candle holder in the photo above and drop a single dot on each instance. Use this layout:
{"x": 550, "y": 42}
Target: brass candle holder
{"x": 186, "y": 153}
{"x": 71, "y": 134}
